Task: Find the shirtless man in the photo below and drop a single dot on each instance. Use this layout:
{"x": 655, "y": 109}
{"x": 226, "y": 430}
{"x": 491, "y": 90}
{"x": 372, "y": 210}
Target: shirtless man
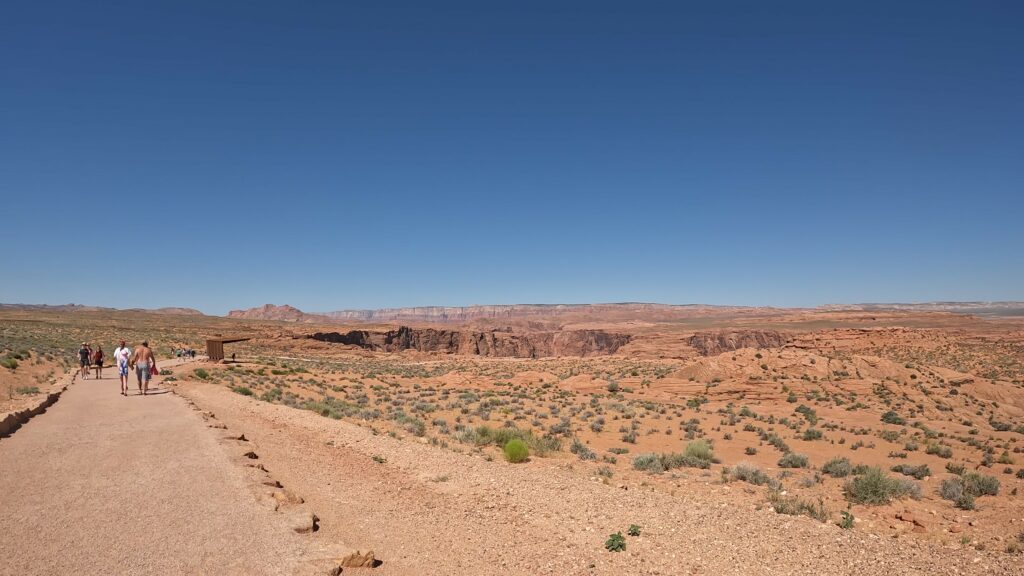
{"x": 144, "y": 362}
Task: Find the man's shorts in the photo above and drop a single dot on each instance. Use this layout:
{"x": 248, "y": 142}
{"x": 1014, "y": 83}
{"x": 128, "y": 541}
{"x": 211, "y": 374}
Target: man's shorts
{"x": 122, "y": 368}
{"x": 142, "y": 371}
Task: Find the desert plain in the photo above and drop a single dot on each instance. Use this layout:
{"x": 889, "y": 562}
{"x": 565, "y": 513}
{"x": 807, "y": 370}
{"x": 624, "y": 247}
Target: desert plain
{"x": 591, "y": 439}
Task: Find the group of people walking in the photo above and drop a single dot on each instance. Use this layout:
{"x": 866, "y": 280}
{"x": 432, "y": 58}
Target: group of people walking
{"x": 140, "y": 359}
{"x": 87, "y": 358}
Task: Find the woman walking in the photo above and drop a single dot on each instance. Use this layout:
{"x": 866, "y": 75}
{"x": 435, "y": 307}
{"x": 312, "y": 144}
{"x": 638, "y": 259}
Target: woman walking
{"x": 97, "y": 361}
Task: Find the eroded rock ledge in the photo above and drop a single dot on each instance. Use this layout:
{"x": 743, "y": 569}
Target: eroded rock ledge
{"x": 494, "y": 343}
{"x": 714, "y": 343}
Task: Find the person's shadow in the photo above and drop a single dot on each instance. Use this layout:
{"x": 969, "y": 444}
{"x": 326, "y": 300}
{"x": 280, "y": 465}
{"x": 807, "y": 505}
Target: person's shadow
{"x": 153, "y": 392}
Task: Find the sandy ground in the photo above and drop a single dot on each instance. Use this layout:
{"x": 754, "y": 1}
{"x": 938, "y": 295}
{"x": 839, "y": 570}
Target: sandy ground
{"x": 106, "y": 484}
{"x": 426, "y": 510}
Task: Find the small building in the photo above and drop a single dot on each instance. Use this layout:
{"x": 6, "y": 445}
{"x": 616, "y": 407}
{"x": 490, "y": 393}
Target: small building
{"x": 215, "y": 346}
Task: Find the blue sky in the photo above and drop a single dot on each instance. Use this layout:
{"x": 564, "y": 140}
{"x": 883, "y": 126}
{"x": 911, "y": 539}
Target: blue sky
{"x": 357, "y": 155}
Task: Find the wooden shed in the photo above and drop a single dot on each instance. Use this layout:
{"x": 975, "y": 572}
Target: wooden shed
{"x": 215, "y": 346}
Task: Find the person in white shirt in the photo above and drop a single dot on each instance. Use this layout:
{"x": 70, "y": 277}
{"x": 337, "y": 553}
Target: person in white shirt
{"x": 122, "y": 356}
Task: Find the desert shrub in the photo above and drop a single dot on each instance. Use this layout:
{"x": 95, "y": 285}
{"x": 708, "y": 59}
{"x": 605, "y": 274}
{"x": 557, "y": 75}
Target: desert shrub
{"x": 892, "y": 417}
{"x": 954, "y": 468}
{"x": 977, "y": 484}
{"x": 918, "y": 472}
{"x": 581, "y": 450}
{"x": 750, "y": 450}
{"x": 486, "y": 436}
{"x": 657, "y": 463}
{"x": 846, "y": 521}
{"x": 674, "y": 460}
{"x": 809, "y": 414}
{"x": 964, "y": 501}
{"x": 812, "y": 434}
{"x": 9, "y": 363}
{"x": 749, "y": 474}
{"x": 951, "y": 488}
{"x": 777, "y": 441}
{"x": 1000, "y": 426}
{"x": 939, "y": 450}
{"x": 876, "y": 487}
{"x": 166, "y": 372}
{"x": 889, "y": 435}
{"x": 201, "y": 373}
{"x": 544, "y": 445}
{"x": 243, "y": 390}
{"x": 272, "y": 395}
{"x": 837, "y": 468}
{"x": 516, "y": 451}
{"x": 795, "y": 506}
{"x": 633, "y": 530}
{"x": 700, "y": 450}
{"x": 792, "y": 460}
{"x": 648, "y": 463}
{"x": 615, "y": 543}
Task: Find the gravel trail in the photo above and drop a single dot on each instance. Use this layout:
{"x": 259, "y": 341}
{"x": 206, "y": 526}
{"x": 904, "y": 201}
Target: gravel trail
{"x": 107, "y": 484}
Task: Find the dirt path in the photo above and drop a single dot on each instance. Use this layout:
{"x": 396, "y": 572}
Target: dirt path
{"x": 105, "y": 484}
{"x": 428, "y": 510}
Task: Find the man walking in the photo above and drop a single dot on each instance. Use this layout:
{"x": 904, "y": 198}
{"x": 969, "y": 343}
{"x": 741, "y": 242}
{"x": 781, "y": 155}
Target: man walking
{"x": 145, "y": 364}
{"x": 84, "y": 359}
{"x": 122, "y": 358}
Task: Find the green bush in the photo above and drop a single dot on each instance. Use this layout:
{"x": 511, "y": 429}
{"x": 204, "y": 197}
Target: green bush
{"x": 615, "y": 543}
{"x": 27, "y": 390}
{"x": 837, "y": 468}
{"x": 9, "y": 363}
{"x": 516, "y": 451}
{"x": 201, "y": 373}
{"x": 633, "y": 530}
{"x": 243, "y": 390}
{"x": 876, "y": 487}
{"x": 791, "y": 460}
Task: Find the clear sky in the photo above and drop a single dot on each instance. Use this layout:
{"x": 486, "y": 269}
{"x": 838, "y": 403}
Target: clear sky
{"x": 338, "y": 155}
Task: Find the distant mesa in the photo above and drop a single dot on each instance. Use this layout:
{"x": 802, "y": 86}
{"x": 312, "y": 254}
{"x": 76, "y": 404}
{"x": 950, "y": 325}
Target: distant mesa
{"x": 83, "y": 308}
{"x": 283, "y": 313}
{"x": 443, "y": 314}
